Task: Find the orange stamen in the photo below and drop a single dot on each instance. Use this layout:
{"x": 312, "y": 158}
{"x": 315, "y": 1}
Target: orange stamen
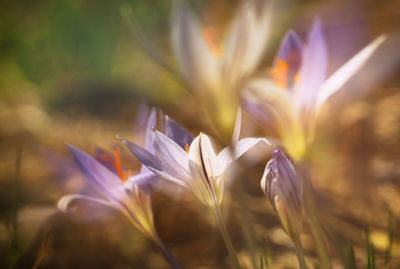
{"x": 210, "y": 35}
{"x": 117, "y": 164}
{"x": 279, "y": 73}
{"x": 187, "y": 147}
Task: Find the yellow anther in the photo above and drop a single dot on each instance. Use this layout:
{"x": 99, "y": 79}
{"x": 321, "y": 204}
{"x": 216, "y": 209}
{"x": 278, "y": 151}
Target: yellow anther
{"x": 187, "y": 147}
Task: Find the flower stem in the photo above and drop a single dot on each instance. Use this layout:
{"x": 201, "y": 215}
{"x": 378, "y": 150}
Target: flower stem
{"x": 300, "y": 255}
{"x": 225, "y": 236}
{"x": 317, "y": 229}
{"x": 168, "y": 256}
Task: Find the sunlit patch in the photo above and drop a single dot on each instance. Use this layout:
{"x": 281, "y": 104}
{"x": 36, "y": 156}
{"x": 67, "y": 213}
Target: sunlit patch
{"x": 187, "y": 147}
{"x": 117, "y": 164}
{"x": 210, "y": 35}
{"x": 280, "y": 73}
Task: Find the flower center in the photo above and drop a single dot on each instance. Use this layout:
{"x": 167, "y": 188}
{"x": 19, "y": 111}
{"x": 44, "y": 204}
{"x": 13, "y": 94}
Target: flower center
{"x": 187, "y": 147}
{"x": 117, "y": 164}
{"x": 280, "y": 74}
{"x": 210, "y": 35}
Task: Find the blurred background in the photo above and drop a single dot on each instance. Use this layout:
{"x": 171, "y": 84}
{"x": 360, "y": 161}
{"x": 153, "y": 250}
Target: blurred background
{"x": 76, "y": 72}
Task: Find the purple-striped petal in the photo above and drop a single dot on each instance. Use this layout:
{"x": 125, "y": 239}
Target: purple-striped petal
{"x": 177, "y": 133}
{"x": 153, "y": 163}
{"x": 146, "y": 157}
{"x": 171, "y": 154}
{"x": 313, "y": 67}
{"x": 98, "y": 175}
{"x": 344, "y": 73}
{"x": 283, "y": 186}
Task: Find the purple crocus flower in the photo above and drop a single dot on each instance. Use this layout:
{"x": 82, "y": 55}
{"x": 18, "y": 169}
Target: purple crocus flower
{"x": 191, "y": 162}
{"x": 298, "y": 86}
{"x": 284, "y": 188}
{"x": 129, "y": 194}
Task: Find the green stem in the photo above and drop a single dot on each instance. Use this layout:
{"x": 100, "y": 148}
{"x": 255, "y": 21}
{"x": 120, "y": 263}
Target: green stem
{"x": 225, "y": 236}
{"x": 300, "y": 255}
{"x": 168, "y": 256}
{"x": 317, "y": 230}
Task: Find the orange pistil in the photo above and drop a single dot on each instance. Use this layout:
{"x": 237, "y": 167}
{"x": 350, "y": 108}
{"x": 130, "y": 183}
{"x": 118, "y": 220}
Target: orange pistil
{"x": 117, "y": 164}
{"x": 280, "y": 73}
{"x": 210, "y": 35}
{"x": 187, "y": 147}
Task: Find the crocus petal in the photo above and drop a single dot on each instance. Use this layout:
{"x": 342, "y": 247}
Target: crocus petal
{"x": 313, "y": 67}
{"x": 341, "y": 76}
{"x": 64, "y": 202}
{"x": 177, "y": 133}
{"x": 290, "y": 52}
{"x": 194, "y": 56}
{"x": 146, "y": 157}
{"x": 245, "y": 42}
{"x": 98, "y": 175}
{"x": 238, "y": 125}
{"x": 237, "y": 42}
{"x": 205, "y": 169}
{"x": 147, "y": 181}
{"x": 171, "y": 153}
{"x": 241, "y": 147}
{"x": 267, "y": 102}
{"x": 151, "y": 123}
{"x": 153, "y": 163}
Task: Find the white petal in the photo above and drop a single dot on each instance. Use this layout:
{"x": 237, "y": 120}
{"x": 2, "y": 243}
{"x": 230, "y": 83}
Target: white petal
{"x": 242, "y": 146}
{"x": 65, "y": 201}
{"x": 341, "y": 76}
{"x": 197, "y": 63}
{"x": 238, "y": 124}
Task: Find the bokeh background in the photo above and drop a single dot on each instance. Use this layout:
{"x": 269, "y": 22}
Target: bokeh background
{"x": 77, "y": 72}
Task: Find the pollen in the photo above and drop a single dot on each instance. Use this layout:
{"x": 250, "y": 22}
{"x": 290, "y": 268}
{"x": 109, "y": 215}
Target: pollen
{"x": 187, "y": 147}
{"x": 280, "y": 73}
{"x": 210, "y": 35}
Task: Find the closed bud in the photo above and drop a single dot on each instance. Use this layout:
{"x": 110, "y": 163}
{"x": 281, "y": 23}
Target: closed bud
{"x": 283, "y": 186}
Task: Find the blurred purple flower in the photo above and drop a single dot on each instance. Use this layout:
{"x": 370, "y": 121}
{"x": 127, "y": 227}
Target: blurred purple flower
{"x": 284, "y": 188}
{"x": 298, "y": 86}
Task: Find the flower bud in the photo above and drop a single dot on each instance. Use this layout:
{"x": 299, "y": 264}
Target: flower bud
{"x": 283, "y": 186}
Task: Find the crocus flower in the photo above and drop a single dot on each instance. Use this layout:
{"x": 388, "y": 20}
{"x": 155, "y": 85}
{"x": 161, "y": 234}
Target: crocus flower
{"x": 122, "y": 191}
{"x": 297, "y": 87}
{"x": 127, "y": 193}
{"x": 214, "y": 68}
{"x": 284, "y": 188}
{"x": 191, "y": 162}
